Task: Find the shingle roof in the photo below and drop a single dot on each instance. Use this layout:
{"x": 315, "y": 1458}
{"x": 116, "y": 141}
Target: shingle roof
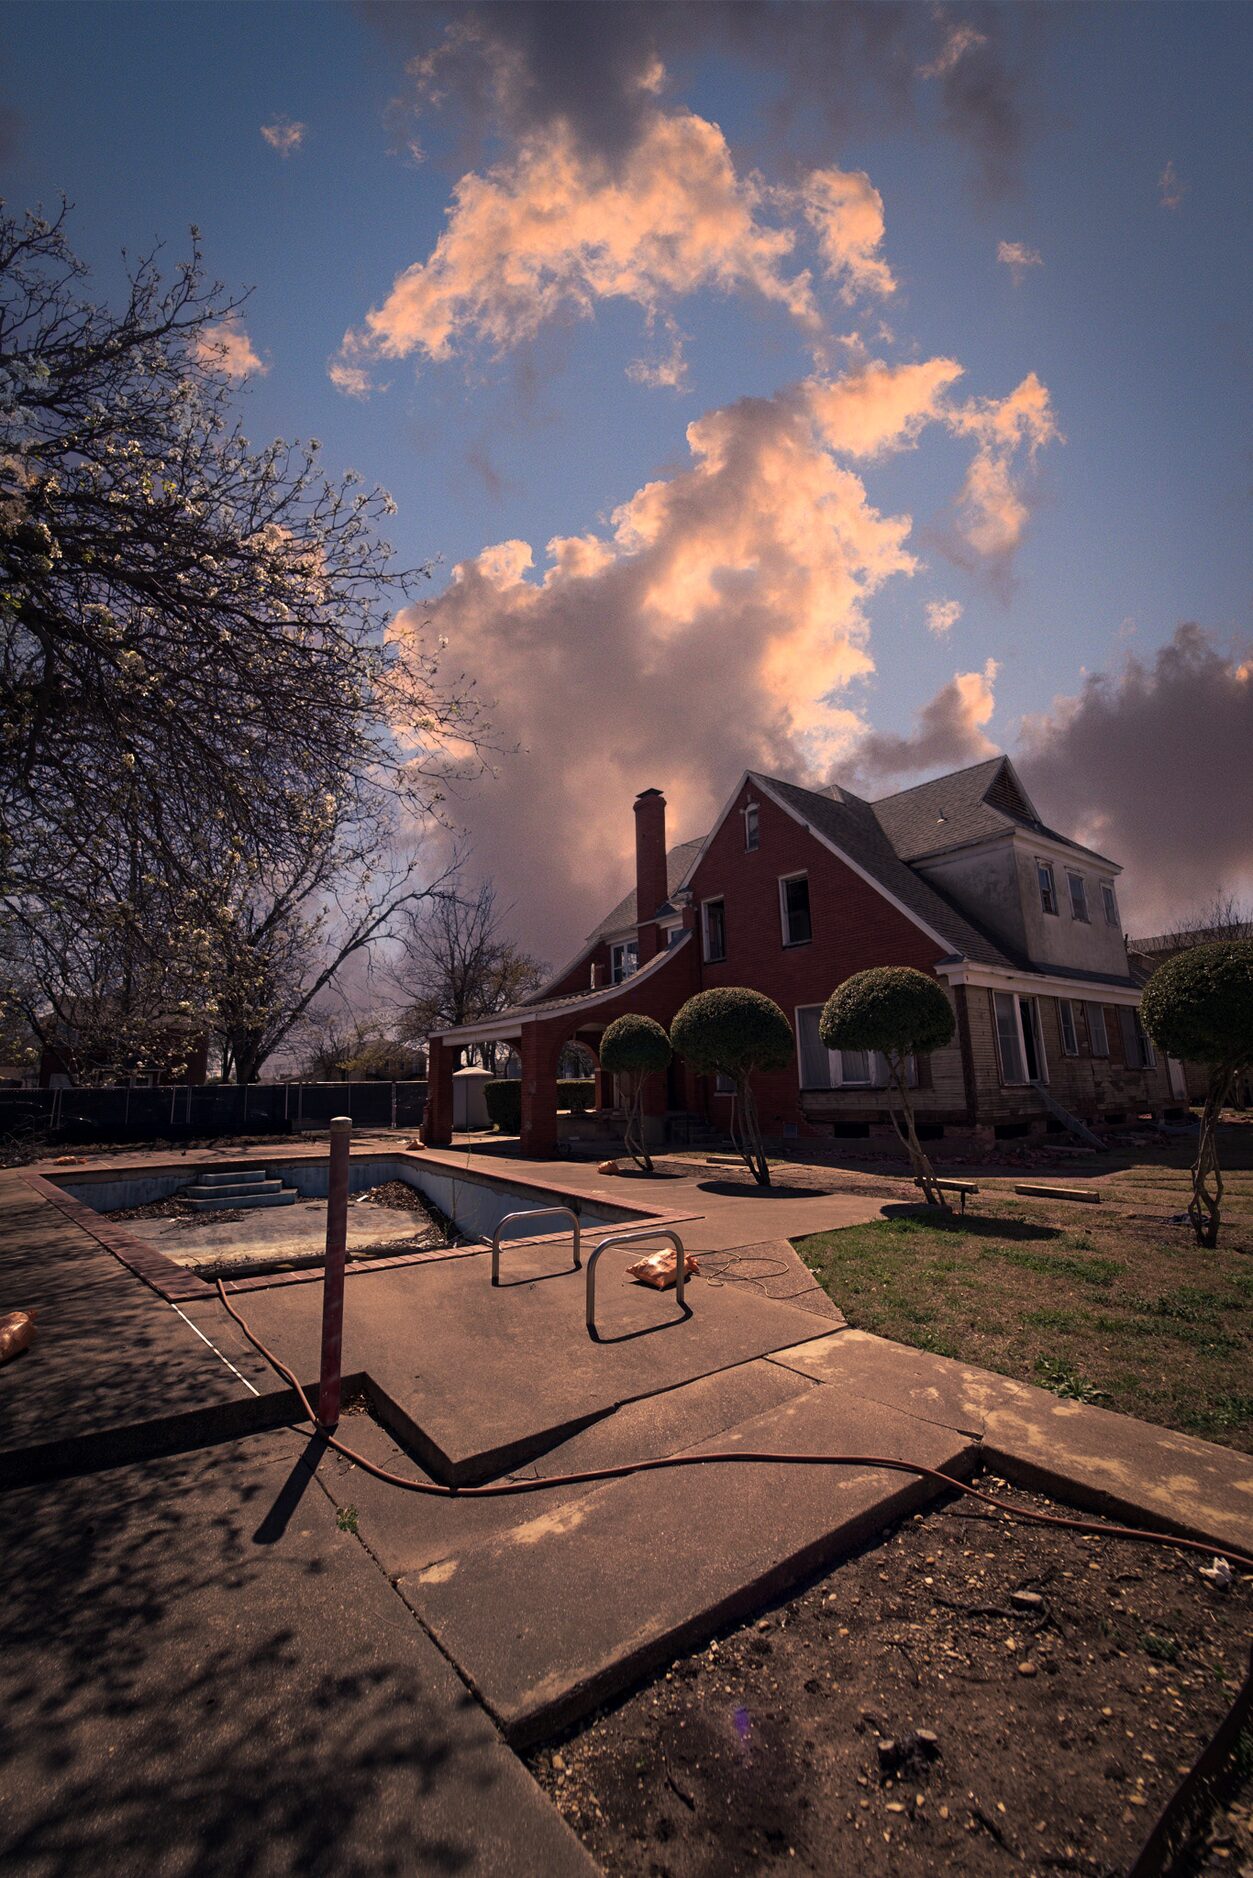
{"x": 967, "y": 805}
{"x": 852, "y": 826}
{"x": 678, "y": 860}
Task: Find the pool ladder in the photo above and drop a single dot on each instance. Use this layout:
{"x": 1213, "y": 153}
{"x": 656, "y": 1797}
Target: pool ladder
{"x": 631, "y": 1237}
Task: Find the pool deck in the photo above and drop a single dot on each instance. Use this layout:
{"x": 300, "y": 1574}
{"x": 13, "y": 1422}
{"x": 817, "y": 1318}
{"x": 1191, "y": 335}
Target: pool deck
{"x": 177, "y": 1584}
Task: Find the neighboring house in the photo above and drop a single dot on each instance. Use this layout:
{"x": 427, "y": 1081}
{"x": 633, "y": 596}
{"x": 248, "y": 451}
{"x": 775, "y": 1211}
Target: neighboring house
{"x": 1188, "y": 1081}
{"x": 180, "y": 1056}
{"x": 792, "y": 891}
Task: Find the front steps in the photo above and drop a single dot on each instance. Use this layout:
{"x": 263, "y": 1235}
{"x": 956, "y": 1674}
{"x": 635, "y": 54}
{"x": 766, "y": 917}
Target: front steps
{"x": 215, "y": 1191}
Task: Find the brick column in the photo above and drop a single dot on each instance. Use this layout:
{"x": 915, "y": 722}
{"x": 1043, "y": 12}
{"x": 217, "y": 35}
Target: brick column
{"x": 437, "y": 1121}
{"x": 539, "y": 1092}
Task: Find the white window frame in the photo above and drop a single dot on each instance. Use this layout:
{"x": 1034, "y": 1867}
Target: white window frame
{"x": 1074, "y": 880}
{"x": 1018, "y": 999}
{"x": 785, "y": 881}
{"x": 716, "y": 899}
{"x": 1066, "y": 1015}
{"x": 1042, "y": 868}
{"x": 876, "y": 1063}
{"x": 1109, "y": 901}
{"x": 1095, "y": 1014}
{"x": 752, "y": 827}
{"x": 619, "y": 968}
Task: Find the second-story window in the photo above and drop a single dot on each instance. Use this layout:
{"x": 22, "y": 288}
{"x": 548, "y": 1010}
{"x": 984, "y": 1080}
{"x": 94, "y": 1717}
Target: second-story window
{"x": 1078, "y": 897}
{"x": 714, "y": 913}
{"x": 1048, "y": 886}
{"x": 752, "y": 830}
{"x": 794, "y": 910}
{"x": 1110, "y": 903}
{"x": 623, "y": 960}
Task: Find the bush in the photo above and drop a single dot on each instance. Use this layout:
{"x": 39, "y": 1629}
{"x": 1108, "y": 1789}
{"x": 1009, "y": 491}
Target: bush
{"x": 890, "y": 1008}
{"x": 504, "y": 1100}
{"x": 504, "y": 1104}
{"x": 634, "y": 1046}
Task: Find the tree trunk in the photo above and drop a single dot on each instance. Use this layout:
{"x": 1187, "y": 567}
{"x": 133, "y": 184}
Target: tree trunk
{"x": 1204, "y": 1208}
{"x": 751, "y": 1147}
{"x": 633, "y": 1135}
{"x": 919, "y": 1160}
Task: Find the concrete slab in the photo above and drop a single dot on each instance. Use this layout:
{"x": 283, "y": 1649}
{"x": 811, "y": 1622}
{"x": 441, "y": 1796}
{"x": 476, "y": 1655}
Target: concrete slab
{"x": 1089, "y": 1456}
{"x": 406, "y": 1531}
{"x": 476, "y": 1379}
{"x": 113, "y": 1369}
{"x": 580, "y": 1600}
{"x": 201, "y": 1674}
{"x": 296, "y": 1230}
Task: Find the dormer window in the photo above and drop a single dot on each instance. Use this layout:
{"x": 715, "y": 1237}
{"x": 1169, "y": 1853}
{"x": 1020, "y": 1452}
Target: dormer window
{"x": 623, "y": 960}
{"x": 1078, "y": 897}
{"x": 752, "y": 830}
{"x": 1048, "y": 886}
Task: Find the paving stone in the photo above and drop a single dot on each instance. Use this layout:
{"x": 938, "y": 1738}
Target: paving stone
{"x": 201, "y": 1673}
{"x": 581, "y": 1599}
{"x": 476, "y": 1379}
{"x": 1089, "y": 1456}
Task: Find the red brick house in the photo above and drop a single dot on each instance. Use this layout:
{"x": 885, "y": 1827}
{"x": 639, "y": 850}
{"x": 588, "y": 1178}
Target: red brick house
{"x": 794, "y": 889}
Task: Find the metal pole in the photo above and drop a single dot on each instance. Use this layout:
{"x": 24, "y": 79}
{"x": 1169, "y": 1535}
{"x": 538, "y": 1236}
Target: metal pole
{"x": 333, "y": 1279}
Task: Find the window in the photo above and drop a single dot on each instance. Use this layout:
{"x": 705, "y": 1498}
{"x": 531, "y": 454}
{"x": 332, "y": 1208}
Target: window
{"x": 673, "y": 936}
{"x": 821, "y": 1068}
{"x": 1098, "y": 1036}
{"x": 1066, "y": 1017}
{"x": 714, "y": 919}
{"x": 1137, "y": 1050}
{"x": 1018, "y": 1039}
{"x": 1078, "y": 896}
{"x": 724, "y": 1085}
{"x": 1110, "y": 903}
{"x": 752, "y": 831}
{"x": 794, "y": 908}
{"x": 623, "y": 960}
{"x": 1048, "y": 886}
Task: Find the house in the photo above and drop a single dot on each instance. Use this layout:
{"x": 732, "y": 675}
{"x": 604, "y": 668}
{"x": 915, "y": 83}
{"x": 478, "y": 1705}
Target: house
{"x": 1189, "y": 1081}
{"x": 791, "y": 891}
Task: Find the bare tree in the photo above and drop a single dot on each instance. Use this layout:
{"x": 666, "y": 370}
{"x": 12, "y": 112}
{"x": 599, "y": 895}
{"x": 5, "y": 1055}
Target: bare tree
{"x": 457, "y": 966}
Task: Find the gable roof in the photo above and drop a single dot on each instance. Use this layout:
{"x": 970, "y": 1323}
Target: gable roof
{"x": 850, "y": 824}
{"x": 678, "y": 860}
{"x": 967, "y": 805}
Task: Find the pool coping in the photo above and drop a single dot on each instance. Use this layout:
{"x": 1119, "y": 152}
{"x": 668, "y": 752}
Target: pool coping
{"x": 177, "y": 1285}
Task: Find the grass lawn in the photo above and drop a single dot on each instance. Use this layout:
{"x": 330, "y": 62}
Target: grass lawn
{"x": 1109, "y": 1304}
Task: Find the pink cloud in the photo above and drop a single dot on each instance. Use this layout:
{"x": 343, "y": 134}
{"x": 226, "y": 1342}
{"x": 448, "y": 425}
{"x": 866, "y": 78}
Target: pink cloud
{"x": 284, "y": 136}
{"x": 947, "y": 733}
{"x": 1018, "y": 257}
{"x": 226, "y": 347}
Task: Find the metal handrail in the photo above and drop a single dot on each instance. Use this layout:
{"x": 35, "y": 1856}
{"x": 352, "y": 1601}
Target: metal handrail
{"x": 538, "y": 1212}
{"x": 631, "y": 1238}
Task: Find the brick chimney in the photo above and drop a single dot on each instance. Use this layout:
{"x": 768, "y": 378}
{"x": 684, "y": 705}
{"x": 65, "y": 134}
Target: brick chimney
{"x": 650, "y": 868}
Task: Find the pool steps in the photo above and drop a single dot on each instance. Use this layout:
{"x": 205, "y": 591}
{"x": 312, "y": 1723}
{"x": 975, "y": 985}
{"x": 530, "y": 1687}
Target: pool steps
{"x": 235, "y": 1190}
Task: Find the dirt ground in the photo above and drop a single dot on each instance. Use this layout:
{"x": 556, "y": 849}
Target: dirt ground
{"x": 971, "y": 1695}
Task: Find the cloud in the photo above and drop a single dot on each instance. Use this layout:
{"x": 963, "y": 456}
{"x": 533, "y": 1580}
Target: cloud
{"x": 942, "y": 616}
{"x": 355, "y": 380}
{"x": 992, "y": 511}
{"x": 960, "y": 39}
{"x": 552, "y": 231}
{"x": 837, "y": 70}
{"x": 721, "y": 620}
{"x": 881, "y": 407}
{"x": 714, "y": 625}
{"x": 948, "y": 731}
{"x": 226, "y": 347}
{"x": 846, "y": 210}
{"x": 1149, "y": 764}
{"x": 284, "y": 136}
{"x": 1017, "y": 257}
{"x": 1173, "y": 188}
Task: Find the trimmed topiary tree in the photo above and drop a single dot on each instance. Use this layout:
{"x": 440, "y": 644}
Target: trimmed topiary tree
{"x": 899, "y": 1012}
{"x": 1198, "y": 1007}
{"x": 733, "y": 1031}
{"x": 635, "y": 1047}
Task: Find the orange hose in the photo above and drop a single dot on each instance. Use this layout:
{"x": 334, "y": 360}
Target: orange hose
{"x": 498, "y": 1489}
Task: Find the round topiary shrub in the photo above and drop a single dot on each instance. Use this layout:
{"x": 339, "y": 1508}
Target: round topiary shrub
{"x": 1198, "y": 1007}
{"x": 899, "y": 1012}
{"x": 732, "y": 1031}
{"x": 635, "y": 1047}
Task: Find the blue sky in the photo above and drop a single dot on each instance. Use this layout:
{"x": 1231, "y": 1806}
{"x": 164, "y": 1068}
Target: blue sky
{"x": 1134, "y": 320}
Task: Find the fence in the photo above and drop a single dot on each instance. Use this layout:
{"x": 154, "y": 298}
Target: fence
{"x": 179, "y": 1112}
